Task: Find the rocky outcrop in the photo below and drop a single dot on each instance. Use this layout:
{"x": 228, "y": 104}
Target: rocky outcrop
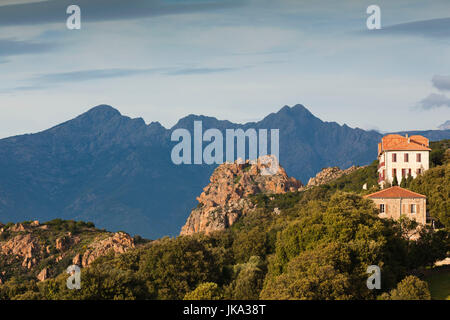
{"x": 65, "y": 242}
{"x": 18, "y": 228}
{"x": 35, "y": 223}
{"x": 225, "y": 199}
{"x": 24, "y": 246}
{"x": 329, "y": 174}
{"x": 43, "y": 275}
{"x": 77, "y": 260}
{"x": 41, "y": 250}
{"x": 118, "y": 243}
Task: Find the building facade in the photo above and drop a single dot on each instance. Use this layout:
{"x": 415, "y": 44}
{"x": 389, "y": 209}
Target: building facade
{"x": 395, "y": 202}
{"x": 400, "y": 156}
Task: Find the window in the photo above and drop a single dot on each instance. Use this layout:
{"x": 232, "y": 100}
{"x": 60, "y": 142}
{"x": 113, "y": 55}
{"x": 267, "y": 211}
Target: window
{"x": 406, "y": 157}
{"x": 394, "y": 157}
{"x": 382, "y": 208}
{"x": 418, "y": 157}
{"x": 419, "y": 171}
{"x": 413, "y": 208}
{"x": 403, "y": 173}
{"x": 409, "y": 172}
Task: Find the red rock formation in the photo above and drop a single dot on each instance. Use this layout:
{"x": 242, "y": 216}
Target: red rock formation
{"x": 118, "y": 243}
{"x": 224, "y": 200}
{"x": 23, "y": 245}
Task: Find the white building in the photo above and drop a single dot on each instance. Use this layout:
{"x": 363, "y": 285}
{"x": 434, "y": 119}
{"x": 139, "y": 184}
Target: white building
{"x": 402, "y": 156}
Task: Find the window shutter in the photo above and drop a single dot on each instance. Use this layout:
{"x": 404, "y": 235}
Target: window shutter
{"x": 417, "y": 208}
{"x": 386, "y": 208}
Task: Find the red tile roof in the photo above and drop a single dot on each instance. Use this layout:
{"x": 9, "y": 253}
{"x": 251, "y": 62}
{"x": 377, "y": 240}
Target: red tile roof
{"x": 398, "y": 142}
{"x": 395, "y": 192}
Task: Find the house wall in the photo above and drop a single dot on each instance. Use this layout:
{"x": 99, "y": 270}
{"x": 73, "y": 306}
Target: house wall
{"x": 401, "y": 206}
{"x": 400, "y": 164}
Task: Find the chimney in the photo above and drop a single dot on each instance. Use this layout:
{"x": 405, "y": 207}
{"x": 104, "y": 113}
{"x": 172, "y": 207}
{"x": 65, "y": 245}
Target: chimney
{"x": 409, "y": 139}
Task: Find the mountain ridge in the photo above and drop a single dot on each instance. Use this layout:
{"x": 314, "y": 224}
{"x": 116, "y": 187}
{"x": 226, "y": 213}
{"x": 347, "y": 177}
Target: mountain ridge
{"x": 116, "y": 171}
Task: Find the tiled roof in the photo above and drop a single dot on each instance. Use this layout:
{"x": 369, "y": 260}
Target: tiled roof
{"x": 398, "y": 142}
{"x": 395, "y": 192}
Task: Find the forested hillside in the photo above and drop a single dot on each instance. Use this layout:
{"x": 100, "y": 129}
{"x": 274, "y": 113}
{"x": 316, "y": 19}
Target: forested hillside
{"x": 313, "y": 244}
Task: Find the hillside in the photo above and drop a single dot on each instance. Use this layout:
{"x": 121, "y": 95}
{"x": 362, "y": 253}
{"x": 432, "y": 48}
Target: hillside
{"x": 116, "y": 171}
{"x": 296, "y": 243}
{"x": 31, "y": 251}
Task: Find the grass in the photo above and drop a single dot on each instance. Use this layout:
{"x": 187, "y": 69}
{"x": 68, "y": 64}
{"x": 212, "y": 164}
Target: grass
{"x": 439, "y": 282}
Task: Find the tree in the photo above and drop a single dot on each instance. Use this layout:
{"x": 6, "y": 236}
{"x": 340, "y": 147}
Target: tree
{"x": 435, "y": 184}
{"x": 350, "y": 224}
{"x": 403, "y": 182}
{"x": 410, "y": 288}
{"x": 248, "y": 279}
{"x": 409, "y": 180}
{"x": 315, "y": 275}
{"x": 437, "y": 157}
{"x": 205, "y": 291}
{"x": 395, "y": 181}
{"x": 173, "y": 267}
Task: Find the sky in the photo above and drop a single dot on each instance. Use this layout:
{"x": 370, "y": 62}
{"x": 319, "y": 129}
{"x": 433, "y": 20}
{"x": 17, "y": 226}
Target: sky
{"x": 238, "y": 60}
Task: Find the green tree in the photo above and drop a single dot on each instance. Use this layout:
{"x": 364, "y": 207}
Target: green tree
{"x": 315, "y": 275}
{"x": 205, "y": 291}
{"x": 435, "y": 184}
{"x": 395, "y": 181}
{"x": 409, "y": 180}
{"x": 403, "y": 183}
{"x": 346, "y": 221}
{"x": 173, "y": 267}
{"x": 410, "y": 288}
{"x": 248, "y": 279}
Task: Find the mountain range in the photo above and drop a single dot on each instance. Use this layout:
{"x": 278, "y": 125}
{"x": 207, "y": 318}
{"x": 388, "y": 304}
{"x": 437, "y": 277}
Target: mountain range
{"x": 117, "y": 172}
{"x": 445, "y": 125}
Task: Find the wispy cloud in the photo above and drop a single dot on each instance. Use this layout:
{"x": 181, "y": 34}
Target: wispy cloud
{"x": 12, "y": 47}
{"x": 51, "y": 11}
{"x": 441, "y": 82}
{"x": 434, "y": 28}
{"x": 434, "y": 101}
{"x": 86, "y": 75}
{"x": 43, "y": 81}
{"x": 193, "y": 71}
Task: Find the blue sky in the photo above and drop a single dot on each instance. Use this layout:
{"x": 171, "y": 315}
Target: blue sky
{"x": 233, "y": 59}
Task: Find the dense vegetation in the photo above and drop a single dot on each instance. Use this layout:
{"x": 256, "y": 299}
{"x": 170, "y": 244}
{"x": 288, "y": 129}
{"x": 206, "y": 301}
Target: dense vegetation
{"x": 311, "y": 250}
{"x": 315, "y": 244}
{"x": 440, "y": 153}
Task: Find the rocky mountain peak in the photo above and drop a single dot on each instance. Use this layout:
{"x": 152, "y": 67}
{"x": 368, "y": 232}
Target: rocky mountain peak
{"x": 103, "y": 111}
{"x": 225, "y": 199}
